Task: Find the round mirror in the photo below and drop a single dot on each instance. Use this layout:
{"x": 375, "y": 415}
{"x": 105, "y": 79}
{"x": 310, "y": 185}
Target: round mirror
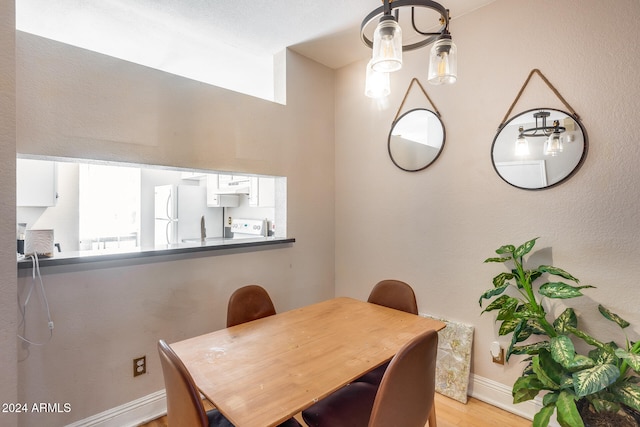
{"x": 539, "y": 148}
{"x": 416, "y": 139}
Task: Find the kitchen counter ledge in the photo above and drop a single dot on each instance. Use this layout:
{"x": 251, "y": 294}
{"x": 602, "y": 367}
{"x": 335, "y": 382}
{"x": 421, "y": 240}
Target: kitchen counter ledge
{"x": 67, "y": 258}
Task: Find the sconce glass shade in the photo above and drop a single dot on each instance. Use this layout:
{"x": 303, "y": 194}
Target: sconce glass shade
{"x": 553, "y": 146}
{"x": 443, "y": 61}
{"x": 377, "y": 85}
{"x": 522, "y": 145}
{"x": 387, "y": 46}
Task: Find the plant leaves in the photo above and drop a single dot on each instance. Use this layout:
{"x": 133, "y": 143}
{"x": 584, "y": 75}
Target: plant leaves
{"x": 490, "y": 294}
{"x": 515, "y": 338}
{"x": 541, "y": 419}
{"x": 530, "y": 348}
{"x": 535, "y": 327}
{"x": 501, "y": 279}
{"x": 562, "y": 350}
{"x": 525, "y": 248}
{"x": 497, "y": 259}
{"x": 568, "y": 415}
{"x": 592, "y": 380}
{"x": 548, "y": 371}
{"x": 508, "y": 326}
{"x": 604, "y": 405}
{"x": 561, "y": 290}
{"x": 632, "y": 359}
{"x": 568, "y": 317}
{"x": 550, "y": 398}
{"x": 613, "y": 317}
{"x": 506, "y": 249}
{"x": 601, "y": 356}
{"x": 526, "y": 388}
{"x": 507, "y": 310}
{"x": 628, "y": 393}
{"x": 557, "y": 272}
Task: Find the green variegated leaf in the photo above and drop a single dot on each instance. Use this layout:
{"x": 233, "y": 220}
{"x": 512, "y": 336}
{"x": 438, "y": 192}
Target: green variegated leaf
{"x": 523, "y": 312}
{"x": 532, "y": 275}
{"x": 548, "y": 371}
{"x": 514, "y": 338}
{"x": 628, "y": 393}
{"x": 525, "y": 248}
{"x": 601, "y": 356}
{"x": 497, "y": 259}
{"x": 632, "y": 359}
{"x": 508, "y": 326}
{"x": 580, "y": 362}
{"x": 501, "y": 279}
{"x": 526, "y": 388}
{"x": 562, "y": 350}
{"x": 535, "y": 327}
{"x": 557, "y": 272}
{"x": 507, "y": 310}
{"x": 585, "y": 337}
{"x": 530, "y": 348}
{"x": 550, "y": 398}
{"x": 568, "y": 415}
{"x": 561, "y": 290}
{"x": 492, "y": 293}
{"x": 506, "y": 249}
{"x": 613, "y": 317}
{"x": 541, "y": 419}
{"x": 592, "y": 380}
{"x": 568, "y": 317}
{"x": 604, "y": 405}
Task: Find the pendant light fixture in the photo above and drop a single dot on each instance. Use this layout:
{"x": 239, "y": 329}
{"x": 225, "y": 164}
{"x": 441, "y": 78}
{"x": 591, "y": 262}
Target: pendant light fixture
{"x": 522, "y": 145}
{"x": 553, "y": 144}
{"x": 387, "y": 41}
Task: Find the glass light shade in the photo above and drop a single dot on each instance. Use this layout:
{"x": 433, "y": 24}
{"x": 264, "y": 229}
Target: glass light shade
{"x": 553, "y": 146}
{"x": 522, "y": 146}
{"x": 377, "y": 84}
{"x": 387, "y": 46}
{"x": 443, "y": 62}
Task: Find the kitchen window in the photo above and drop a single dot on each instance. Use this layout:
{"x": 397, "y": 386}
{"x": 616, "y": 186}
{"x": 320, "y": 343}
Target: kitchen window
{"x": 109, "y": 206}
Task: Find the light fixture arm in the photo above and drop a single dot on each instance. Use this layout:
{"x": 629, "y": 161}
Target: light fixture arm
{"x": 382, "y": 10}
{"x": 424, "y": 33}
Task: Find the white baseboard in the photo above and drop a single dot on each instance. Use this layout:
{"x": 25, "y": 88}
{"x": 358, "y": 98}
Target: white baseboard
{"x": 154, "y": 405}
{"x": 130, "y": 414}
{"x": 499, "y": 395}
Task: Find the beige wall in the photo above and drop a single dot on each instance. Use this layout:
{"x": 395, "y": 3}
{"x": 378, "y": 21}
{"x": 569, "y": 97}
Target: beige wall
{"x": 8, "y": 360}
{"x": 74, "y": 103}
{"x": 435, "y": 228}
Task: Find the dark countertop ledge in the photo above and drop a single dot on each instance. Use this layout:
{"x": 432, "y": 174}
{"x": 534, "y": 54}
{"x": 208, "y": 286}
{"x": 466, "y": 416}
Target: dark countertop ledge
{"x": 67, "y": 258}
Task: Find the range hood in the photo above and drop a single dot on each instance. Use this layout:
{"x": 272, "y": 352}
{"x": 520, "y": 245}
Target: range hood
{"x": 233, "y": 184}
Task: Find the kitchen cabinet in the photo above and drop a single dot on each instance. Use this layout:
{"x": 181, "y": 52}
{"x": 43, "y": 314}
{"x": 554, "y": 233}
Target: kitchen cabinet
{"x": 36, "y": 183}
{"x": 262, "y": 192}
{"x": 217, "y": 200}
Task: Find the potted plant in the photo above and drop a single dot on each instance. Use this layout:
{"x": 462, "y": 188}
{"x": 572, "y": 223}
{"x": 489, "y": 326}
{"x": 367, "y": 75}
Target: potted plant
{"x": 581, "y": 388}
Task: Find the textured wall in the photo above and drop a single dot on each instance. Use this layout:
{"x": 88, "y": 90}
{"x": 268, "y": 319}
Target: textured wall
{"x": 74, "y": 103}
{"x": 435, "y": 228}
{"x": 8, "y": 385}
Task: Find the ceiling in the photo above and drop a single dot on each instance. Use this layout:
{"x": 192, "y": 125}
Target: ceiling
{"x": 326, "y": 31}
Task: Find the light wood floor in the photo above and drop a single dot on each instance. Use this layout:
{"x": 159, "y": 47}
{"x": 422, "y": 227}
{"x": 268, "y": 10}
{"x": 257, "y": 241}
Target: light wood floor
{"x": 449, "y": 413}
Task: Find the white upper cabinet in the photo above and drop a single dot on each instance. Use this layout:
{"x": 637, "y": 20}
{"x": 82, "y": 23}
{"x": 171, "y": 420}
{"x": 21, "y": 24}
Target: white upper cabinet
{"x": 36, "y": 183}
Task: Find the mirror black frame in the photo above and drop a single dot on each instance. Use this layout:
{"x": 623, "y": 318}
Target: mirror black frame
{"x": 393, "y": 125}
{"x": 570, "y": 174}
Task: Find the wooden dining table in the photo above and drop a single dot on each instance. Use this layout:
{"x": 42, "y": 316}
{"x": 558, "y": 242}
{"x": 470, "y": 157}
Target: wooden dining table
{"x": 262, "y": 372}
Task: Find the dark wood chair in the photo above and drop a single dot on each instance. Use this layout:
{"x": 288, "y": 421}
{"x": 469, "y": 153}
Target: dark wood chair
{"x": 404, "y": 397}
{"x": 249, "y": 303}
{"x": 184, "y": 405}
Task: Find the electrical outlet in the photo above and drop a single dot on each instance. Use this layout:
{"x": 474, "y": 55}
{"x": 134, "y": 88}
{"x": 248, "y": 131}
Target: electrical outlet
{"x": 139, "y": 366}
{"x": 497, "y": 353}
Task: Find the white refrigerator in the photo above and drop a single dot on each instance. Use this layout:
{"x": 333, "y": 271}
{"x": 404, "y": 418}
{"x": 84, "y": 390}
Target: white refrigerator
{"x": 178, "y": 212}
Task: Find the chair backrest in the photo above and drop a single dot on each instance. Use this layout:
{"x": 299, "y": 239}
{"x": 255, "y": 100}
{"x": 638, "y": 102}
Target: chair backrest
{"x": 249, "y": 303}
{"x": 405, "y": 395}
{"x": 184, "y": 406}
{"x": 394, "y": 294}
